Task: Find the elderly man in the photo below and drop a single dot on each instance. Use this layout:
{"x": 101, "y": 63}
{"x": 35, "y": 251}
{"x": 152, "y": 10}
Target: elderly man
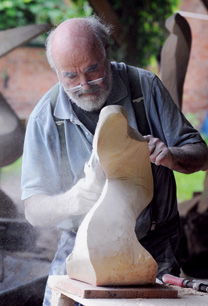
{"x": 53, "y": 160}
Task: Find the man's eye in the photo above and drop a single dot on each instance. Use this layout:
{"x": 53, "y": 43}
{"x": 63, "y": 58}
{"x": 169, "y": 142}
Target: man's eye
{"x": 95, "y": 69}
{"x": 71, "y": 77}
{"x": 92, "y": 71}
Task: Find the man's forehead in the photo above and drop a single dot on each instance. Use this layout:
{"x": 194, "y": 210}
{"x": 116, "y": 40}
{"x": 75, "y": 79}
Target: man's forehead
{"x": 73, "y": 53}
{"x": 75, "y": 33}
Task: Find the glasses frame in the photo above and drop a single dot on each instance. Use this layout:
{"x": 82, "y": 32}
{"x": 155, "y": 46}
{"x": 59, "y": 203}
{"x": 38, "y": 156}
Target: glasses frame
{"x": 78, "y": 87}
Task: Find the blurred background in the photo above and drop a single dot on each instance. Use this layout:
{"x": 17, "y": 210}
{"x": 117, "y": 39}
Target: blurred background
{"x": 140, "y": 33}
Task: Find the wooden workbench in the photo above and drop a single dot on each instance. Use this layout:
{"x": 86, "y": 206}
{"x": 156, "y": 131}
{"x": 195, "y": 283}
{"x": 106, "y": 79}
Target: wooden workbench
{"x": 62, "y": 288}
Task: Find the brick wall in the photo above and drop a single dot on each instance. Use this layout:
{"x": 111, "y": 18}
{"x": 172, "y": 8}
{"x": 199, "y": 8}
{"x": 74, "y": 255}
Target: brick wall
{"x": 25, "y": 74}
{"x": 195, "y": 97}
{"x": 24, "y": 77}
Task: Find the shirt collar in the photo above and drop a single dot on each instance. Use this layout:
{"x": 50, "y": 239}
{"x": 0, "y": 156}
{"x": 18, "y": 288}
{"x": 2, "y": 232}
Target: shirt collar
{"x": 63, "y": 109}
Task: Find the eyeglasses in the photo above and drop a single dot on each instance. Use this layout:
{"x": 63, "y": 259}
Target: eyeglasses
{"x": 78, "y": 87}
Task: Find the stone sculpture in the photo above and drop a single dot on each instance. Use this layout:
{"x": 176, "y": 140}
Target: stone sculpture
{"x": 12, "y": 134}
{"x": 12, "y": 130}
{"x": 106, "y": 250}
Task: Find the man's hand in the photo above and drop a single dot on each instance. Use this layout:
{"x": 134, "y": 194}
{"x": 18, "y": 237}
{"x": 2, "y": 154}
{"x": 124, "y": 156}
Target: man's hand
{"x": 83, "y": 196}
{"x": 186, "y": 159}
{"x": 159, "y": 152}
{"x": 45, "y": 210}
{"x": 87, "y": 190}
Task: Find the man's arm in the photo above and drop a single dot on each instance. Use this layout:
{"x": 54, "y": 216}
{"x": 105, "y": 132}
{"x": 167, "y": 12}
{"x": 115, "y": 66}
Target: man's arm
{"x": 186, "y": 159}
{"x": 44, "y": 210}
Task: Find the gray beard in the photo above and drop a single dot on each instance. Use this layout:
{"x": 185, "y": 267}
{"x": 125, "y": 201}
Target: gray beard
{"x": 86, "y": 103}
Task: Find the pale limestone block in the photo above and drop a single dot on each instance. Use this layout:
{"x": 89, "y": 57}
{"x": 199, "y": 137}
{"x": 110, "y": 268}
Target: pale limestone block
{"x": 106, "y": 250}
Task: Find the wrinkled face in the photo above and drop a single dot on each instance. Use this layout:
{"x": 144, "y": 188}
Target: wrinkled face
{"x": 93, "y": 91}
{"x": 85, "y": 74}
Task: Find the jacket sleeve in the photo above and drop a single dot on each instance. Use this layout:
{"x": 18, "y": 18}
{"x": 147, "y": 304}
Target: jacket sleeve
{"x": 166, "y": 120}
{"x": 40, "y": 170}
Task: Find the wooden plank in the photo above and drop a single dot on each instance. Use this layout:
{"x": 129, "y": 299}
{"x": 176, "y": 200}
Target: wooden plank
{"x": 66, "y": 285}
{"x": 13, "y": 38}
{"x": 104, "y": 9}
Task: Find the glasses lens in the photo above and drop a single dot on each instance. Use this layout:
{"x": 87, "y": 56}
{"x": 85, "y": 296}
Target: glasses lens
{"x": 76, "y": 88}
{"x": 94, "y": 82}
{"x": 73, "y": 89}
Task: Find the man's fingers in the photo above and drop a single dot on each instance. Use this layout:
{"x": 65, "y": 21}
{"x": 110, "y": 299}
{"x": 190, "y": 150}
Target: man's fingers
{"x": 151, "y": 143}
{"x": 152, "y": 148}
{"x": 163, "y": 158}
{"x": 159, "y": 152}
{"x": 155, "y": 157}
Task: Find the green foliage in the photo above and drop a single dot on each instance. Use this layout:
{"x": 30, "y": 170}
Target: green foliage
{"x": 14, "y": 13}
{"x": 187, "y": 184}
{"x": 144, "y": 24}
{"x": 12, "y": 169}
{"x": 193, "y": 119}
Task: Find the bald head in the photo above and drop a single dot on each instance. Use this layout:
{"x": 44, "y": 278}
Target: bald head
{"x": 77, "y": 35}
{"x": 74, "y": 41}
{"x": 73, "y": 30}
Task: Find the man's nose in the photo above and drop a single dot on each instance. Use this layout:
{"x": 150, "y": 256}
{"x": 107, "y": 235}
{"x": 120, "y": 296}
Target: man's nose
{"x": 84, "y": 83}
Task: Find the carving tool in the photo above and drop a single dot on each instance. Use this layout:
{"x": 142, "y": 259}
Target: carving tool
{"x": 195, "y": 284}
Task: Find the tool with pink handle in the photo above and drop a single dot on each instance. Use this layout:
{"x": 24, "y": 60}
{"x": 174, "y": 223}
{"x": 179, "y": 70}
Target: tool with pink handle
{"x": 195, "y": 284}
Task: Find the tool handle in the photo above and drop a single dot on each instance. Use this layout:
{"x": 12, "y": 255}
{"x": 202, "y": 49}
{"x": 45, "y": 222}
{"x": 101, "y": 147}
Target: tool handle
{"x": 173, "y": 280}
